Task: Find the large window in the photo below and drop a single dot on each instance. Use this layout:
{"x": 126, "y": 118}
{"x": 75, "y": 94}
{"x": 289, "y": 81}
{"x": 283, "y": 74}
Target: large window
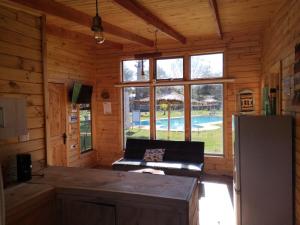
{"x": 207, "y": 66}
{"x": 136, "y": 112}
{"x": 169, "y": 68}
{"x": 85, "y": 127}
{"x": 157, "y": 109}
{"x": 135, "y": 70}
{"x": 169, "y": 113}
{"x": 207, "y": 116}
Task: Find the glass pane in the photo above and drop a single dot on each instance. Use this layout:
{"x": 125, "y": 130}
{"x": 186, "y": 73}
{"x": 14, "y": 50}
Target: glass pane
{"x": 169, "y": 113}
{"x": 136, "y": 113}
{"x": 136, "y": 70}
{"x": 85, "y": 127}
{"x": 207, "y": 66}
{"x": 169, "y": 68}
{"x": 207, "y": 116}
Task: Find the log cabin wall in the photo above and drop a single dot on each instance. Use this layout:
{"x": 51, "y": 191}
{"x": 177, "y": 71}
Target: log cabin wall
{"x": 242, "y": 54}
{"x": 21, "y": 77}
{"x": 280, "y": 38}
{"x": 68, "y": 61}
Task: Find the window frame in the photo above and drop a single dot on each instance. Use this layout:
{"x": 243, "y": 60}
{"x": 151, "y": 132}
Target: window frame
{"x": 166, "y": 58}
{"x": 153, "y": 82}
{"x": 211, "y": 53}
{"x": 154, "y": 89}
{"x": 91, "y": 112}
{"x": 136, "y": 81}
{"x": 123, "y": 114}
{"x": 223, "y": 119}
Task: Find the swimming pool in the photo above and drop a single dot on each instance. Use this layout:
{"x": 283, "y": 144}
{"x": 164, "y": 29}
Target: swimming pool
{"x": 177, "y": 123}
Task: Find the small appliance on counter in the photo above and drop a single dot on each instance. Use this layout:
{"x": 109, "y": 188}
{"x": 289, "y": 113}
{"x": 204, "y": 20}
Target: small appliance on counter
{"x": 24, "y": 167}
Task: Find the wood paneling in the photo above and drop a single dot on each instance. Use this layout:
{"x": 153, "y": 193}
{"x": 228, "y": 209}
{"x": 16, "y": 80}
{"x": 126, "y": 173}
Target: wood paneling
{"x": 242, "y": 62}
{"x": 69, "y": 61}
{"x": 280, "y": 38}
{"x": 21, "y": 77}
{"x": 191, "y": 18}
{"x": 29, "y": 204}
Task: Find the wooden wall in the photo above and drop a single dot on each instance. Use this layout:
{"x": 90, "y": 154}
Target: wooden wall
{"x": 21, "y": 77}
{"x": 242, "y": 61}
{"x": 68, "y": 61}
{"x": 280, "y": 38}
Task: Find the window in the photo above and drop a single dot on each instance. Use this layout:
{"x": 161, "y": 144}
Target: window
{"x": 207, "y": 116}
{"x": 85, "y": 127}
{"x": 135, "y": 70}
{"x": 169, "y": 113}
{"x": 207, "y": 66}
{"x": 171, "y": 96}
{"x": 136, "y": 112}
{"x": 169, "y": 68}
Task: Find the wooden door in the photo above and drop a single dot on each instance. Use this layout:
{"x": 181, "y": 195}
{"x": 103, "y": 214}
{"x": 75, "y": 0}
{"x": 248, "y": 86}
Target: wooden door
{"x": 57, "y": 124}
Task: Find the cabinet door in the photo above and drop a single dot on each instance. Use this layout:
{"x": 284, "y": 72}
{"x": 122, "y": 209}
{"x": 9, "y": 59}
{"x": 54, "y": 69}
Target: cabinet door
{"x": 128, "y": 215}
{"x": 87, "y": 213}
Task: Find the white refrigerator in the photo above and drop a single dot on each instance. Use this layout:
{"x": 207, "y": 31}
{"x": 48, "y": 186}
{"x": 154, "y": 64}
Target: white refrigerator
{"x": 263, "y": 170}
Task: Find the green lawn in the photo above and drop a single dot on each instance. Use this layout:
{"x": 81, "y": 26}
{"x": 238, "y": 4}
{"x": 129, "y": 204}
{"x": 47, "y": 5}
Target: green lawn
{"x": 213, "y": 139}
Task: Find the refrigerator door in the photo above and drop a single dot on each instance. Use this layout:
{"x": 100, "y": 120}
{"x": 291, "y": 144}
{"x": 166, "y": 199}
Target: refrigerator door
{"x": 265, "y": 145}
{"x": 237, "y": 207}
{"x": 236, "y": 152}
{"x": 236, "y": 170}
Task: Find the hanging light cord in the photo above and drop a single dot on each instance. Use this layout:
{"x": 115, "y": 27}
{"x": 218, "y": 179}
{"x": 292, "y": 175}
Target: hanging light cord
{"x": 97, "y": 8}
{"x": 155, "y": 42}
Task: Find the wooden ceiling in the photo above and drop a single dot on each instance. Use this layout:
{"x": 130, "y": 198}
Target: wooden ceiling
{"x": 191, "y": 19}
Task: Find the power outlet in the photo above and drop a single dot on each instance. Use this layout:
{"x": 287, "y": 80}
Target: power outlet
{"x": 23, "y": 138}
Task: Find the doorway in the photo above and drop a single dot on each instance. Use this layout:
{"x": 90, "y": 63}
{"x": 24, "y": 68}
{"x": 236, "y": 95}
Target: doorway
{"x": 57, "y": 123}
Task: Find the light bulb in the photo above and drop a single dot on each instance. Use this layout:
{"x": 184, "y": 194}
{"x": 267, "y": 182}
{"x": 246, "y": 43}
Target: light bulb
{"x": 99, "y": 37}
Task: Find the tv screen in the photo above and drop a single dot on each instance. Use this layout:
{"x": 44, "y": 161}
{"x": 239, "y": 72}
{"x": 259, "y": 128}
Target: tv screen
{"x": 75, "y": 92}
{"x": 81, "y": 93}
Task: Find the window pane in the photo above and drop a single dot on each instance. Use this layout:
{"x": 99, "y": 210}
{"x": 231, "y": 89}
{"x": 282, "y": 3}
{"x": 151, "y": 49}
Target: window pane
{"x": 207, "y": 116}
{"x": 135, "y": 70}
{"x": 169, "y": 113}
{"x": 207, "y": 66}
{"x": 85, "y": 127}
{"x": 169, "y": 68}
{"x": 136, "y": 113}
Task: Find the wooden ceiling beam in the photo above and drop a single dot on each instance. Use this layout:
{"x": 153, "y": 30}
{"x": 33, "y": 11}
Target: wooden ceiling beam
{"x": 74, "y": 35}
{"x": 215, "y": 11}
{"x": 60, "y": 10}
{"x": 142, "y": 12}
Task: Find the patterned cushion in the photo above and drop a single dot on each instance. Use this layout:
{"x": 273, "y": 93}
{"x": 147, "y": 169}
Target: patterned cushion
{"x": 154, "y": 155}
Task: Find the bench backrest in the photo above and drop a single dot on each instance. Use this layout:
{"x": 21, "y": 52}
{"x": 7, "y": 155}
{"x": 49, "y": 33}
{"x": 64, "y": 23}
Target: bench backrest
{"x": 180, "y": 151}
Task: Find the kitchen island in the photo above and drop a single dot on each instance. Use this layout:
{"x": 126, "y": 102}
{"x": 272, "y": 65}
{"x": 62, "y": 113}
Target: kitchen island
{"x": 94, "y": 196}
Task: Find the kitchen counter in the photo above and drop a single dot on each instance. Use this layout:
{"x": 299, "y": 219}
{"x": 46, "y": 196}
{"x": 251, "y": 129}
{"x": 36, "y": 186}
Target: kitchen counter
{"x": 122, "y": 197}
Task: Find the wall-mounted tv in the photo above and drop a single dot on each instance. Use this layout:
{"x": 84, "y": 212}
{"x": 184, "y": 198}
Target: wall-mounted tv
{"x": 81, "y": 93}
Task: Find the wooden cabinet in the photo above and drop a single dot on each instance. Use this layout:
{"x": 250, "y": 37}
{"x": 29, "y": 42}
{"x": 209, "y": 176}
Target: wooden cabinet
{"x": 79, "y": 212}
{"x": 102, "y": 197}
{"x": 30, "y": 204}
{"x": 128, "y": 215}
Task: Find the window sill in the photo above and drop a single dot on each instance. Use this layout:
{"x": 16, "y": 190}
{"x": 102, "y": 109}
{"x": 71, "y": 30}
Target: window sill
{"x": 86, "y": 151}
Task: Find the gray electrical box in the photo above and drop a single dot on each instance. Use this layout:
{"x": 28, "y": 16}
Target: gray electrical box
{"x": 13, "y": 121}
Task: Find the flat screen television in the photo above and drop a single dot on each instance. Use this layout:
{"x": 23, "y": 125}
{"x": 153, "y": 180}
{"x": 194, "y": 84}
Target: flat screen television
{"x": 81, "y": 94}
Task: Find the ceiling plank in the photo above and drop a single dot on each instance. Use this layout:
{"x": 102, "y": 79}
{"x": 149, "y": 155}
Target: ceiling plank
{"x": 142, "y": 12}
{"x": 215, "y": 10}
{"x": 74, "y": 35}
{"x": 68, "y": 13}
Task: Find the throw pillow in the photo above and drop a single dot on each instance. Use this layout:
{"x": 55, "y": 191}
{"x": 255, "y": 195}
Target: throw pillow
{"x": 154, "y": 155}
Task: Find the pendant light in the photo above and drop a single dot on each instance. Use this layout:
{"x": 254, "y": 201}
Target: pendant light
{"x": 97, "y": 27}
{"x": 155, "y": 54}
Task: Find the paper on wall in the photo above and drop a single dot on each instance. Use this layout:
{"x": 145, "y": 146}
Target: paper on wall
{"x": 106, "y": 108}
